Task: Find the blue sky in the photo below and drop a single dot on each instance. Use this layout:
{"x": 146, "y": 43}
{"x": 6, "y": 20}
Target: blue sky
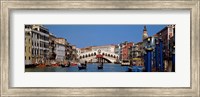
{"x": 94, "y": 35}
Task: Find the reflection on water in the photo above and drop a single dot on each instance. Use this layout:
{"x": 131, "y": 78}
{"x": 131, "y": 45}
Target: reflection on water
{"x": 107, "y": 67}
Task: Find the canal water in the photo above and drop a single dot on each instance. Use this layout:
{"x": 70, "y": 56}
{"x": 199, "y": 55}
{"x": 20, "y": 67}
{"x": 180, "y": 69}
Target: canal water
{"x": 107, "y": 67}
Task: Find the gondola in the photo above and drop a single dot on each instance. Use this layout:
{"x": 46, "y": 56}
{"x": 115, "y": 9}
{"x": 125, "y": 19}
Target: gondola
{"x": 62, "y": 65}
{"x": 81, "y": 67}
{"x": 130, "y": 69}
{"x": 68, "y": 65}
{"x": 100, "y": 67}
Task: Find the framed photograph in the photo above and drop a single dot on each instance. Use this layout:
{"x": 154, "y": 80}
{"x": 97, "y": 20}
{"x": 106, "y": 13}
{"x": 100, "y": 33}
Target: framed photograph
{"x": 100, "y": 48}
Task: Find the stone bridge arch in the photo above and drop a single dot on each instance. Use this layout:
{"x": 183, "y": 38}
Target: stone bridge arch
{"x": 92, "y": 55}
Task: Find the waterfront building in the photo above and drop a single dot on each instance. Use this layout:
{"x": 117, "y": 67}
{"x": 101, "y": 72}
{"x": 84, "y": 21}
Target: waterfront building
{"x": 125, "y": 50}
{"x": 60, "y": 52}
{"x": 28, "y": 45}
{"x": 62, "y": 41}
{"x": 86, "y": 49}
{"x": 74, "y": 53}
{"x": 137, "y": 50}
{"x": 117, "y": 49}
{"x": 68, "y": 52}
{"x": 52, "y": 45}
{"x": 166, "y": 35}
{"x": 172, "y": 41}
{"x": 40, "y": 44}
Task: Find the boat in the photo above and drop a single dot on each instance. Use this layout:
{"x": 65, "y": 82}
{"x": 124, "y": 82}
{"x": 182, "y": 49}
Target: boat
{"x": 41, "y": 65}
{"x": 68, "y": 65}
{"x": 81, "y": 67}
{"x": 63, "y": 65}
{"x": 73, "y": 64}
{"x": 130, "y": 69}
{"x": 100, "y": 67}
{"x": 125, "y": 63}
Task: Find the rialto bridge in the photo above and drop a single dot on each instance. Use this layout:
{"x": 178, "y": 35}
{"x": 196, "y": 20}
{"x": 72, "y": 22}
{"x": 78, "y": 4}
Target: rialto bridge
{"x": 98, "y": 56}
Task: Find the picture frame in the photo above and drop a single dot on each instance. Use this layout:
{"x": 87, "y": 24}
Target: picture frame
{"x": 7, "y": 6}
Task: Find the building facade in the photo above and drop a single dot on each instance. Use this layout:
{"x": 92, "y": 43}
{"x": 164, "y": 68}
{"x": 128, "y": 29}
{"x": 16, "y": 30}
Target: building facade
{"x": 125, "y": 50}
{"x": 60, "y": 52}
{"x": 166, "y": 34}
{"x": 28, "y": 45}
{"x": 40, "y": 44}
{"x": 117, "y": 49}
{"x": 137, "y": 50}
{"x": 74, "y": 56}
{"x": 52, "y": 45}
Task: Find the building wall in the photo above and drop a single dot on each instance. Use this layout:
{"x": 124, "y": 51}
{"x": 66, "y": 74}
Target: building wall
{"x": 40, "y": 44}
{"x": 126, "y": 50}
{"x": 167, "y": 34}
{"x": 60, "y": 52}
{"x": 61, "y": 41}
{"x": 28, "y": 47}
{"x": 52, "y": 45}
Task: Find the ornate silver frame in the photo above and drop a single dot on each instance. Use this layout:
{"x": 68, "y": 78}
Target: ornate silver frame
{"x": 8, "y": 5}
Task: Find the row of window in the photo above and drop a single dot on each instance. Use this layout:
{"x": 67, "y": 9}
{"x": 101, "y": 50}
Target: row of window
{"x": 41, "y": 44}
{"x": 28, "y": 58}
{"x": 29, "y": 40}
{"x": 29, "y": 49}
{"x": 35, "y": 51}
{"x": 38, "y": 36}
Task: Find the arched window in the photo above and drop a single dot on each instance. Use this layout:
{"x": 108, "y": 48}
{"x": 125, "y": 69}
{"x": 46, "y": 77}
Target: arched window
{"x": 103, "y": 54}
{"x": 86, "y": 55}
{"x": 80, "y": 57}
{"x": 94, "y": 53}
{"x": 114, "y": 56}
{"x": 83, "y": 56}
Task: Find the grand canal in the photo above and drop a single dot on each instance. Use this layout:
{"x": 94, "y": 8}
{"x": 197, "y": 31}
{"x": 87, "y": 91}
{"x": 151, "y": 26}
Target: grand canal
{"x": 108, "y": 67}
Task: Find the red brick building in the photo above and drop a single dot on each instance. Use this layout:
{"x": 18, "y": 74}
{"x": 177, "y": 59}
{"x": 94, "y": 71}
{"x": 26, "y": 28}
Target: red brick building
{"x": 125, "y": 50}
{"x": 167, "y": 35}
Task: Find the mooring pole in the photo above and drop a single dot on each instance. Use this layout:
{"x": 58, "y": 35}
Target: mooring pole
{"x": 157, "y": 55}
{"x": 149, "y": 50}
{"x": 173, "y": 60}
{"x": 145, "y": 61}
{"x": 161, "y": 56}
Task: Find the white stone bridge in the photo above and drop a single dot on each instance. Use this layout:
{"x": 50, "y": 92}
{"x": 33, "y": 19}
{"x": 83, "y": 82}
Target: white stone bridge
{"x": 93, "y": 56}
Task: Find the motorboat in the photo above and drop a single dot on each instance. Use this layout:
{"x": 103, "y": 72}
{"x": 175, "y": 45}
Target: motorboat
{"x": 125, "y": 63}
